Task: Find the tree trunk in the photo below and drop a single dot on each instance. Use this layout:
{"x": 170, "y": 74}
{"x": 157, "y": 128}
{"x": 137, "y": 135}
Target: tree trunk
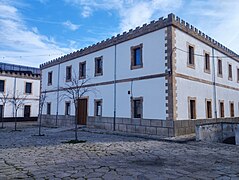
{"x": 76, "y": 137}
{"x": 2, "y": 116}
{"x": 40, "y": 116}
{"x": 15, "y": 118}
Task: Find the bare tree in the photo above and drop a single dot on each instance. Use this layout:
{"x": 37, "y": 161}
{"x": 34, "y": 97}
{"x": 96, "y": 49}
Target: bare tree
{"x": 18, "y": 102}
{"x": 42, "y": 101}
{"x": 4, "y": 99}
{"x": 74, "y": 89}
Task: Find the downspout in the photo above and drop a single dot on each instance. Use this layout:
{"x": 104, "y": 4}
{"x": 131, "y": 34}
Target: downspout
{"x": 58, "y": 86}
{"x": 214, "y": 85}
{"x": 114, "y": 91}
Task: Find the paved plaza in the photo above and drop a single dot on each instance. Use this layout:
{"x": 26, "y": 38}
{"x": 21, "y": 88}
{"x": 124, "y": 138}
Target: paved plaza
{"x": 26, "y": 156}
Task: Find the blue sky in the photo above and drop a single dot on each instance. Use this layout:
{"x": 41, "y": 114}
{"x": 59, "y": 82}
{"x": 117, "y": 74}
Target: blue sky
{"x": 36, "y": 31}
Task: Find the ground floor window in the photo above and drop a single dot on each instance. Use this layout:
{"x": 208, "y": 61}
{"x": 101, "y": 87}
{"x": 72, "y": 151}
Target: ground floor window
{"x": 221, "y": 108}
{"x": 231, "y": 109}
{"x": 137, "y": 107}
{"x": 48, "y": 108}
{"x": 98, "y": 107}
{"x": 1, "y": 111}
{"x": 67, "y": 108}
{"x": 27, "y": 111}
{"x": 208, "y": 108}
{"x": 192, "y": 108}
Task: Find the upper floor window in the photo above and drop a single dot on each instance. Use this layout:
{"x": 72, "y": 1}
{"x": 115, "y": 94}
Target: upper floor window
{"x": 49, "y": 78}
{"x": 28, "y": 88}
{"x": 137, "y": 107}
{"x": 99, "y": 66}
{"x": 2, "y": 85}
{"x": 219, "y": 67}
{"x": 207, "y": 62}
{"x": 191, "y": 60}
{"x": 229, "y": 71}
{"x": 67, "y": 108}
{"x": 137, "y": 56}
{"x": 237, "y": 74}
{"x": 68, "y": 73}
{"x": 82, "y": 70}
{"x": 98, "y": 107}
{"x": 48, "y": 108}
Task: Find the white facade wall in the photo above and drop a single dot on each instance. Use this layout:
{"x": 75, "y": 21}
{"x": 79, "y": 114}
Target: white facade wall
{"x": 202, "y": 90}
{"x": 154, "y": 107}
{"x": 18, "y": 83}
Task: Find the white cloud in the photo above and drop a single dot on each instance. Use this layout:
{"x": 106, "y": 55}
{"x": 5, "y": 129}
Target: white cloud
{"x": 70, "y": 25}
{"x": 22, "y": 45}
{"x": 87, "y": 11}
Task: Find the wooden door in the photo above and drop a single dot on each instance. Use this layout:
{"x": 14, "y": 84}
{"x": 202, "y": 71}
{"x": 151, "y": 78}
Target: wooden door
{"x": 82, "y": 111}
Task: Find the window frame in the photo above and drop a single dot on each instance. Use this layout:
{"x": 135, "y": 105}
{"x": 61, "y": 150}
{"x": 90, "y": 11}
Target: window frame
{"x": 133, "y": 107}
{"x": 237, "y": 74}
{"x": 96, "y": 101}
{"x": 207, "y": 63}
{"x": 219, "y": 68}
{"x": 189, "y": 107}
{"x": 48, "y": 111}
{"x": 96, "y": 67}
{"x": 26, "y": 87}
{"x": 24, "y": 108}
{"x": 222, "y": 113}
{"x": 67, "y": 108}
{"x": 190, "y": 65}
{"x": 4, "y": 85}
{"x": 80, "y": 70}
{"x": 68, "y": 67}
{"x": 230, "y": 71}
{"x": 133, "y": 57}
{"x": 232, "y": 111}
{"x": 49, "y": 80}
{"x": 206, "y": 108}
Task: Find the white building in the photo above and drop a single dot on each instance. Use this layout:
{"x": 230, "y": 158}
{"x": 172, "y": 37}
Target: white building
{"x": 19, "y": 84}
{"x": 156, "y": 79}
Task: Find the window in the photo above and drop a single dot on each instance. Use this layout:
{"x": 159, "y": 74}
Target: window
{"x": 219, "y": 66}
{"x": 1, "y": 111}
{"x": 229, "y": 71}
{"x": 99, "y": 66}
{"x": 192, "y": 108}
{"x": 68, "y": 73}
{"x": 221, "y": 104}
{"x": 82, "y": 70}
{"x": 98, "y": 107}
{"x": 28, "y": 88}
{"x": 48, "y": 109}
{"x": 231, "y": 109}
{"x": 27, "y": 111}
{"x": 2, "y": 85}
{"x": 238, "y": 75}
{"x": 137, "y": 107}
{"x": 207, "y": 63}
{"x": 67, "y": 108}
{"x": 49, "y": 78}
{"x": 136, "y": 57}
{"x": 208, "y": 109}
{"x": 191, "y": 62}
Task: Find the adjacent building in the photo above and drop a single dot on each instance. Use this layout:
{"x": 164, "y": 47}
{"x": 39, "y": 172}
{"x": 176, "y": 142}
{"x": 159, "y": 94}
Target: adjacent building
{"x": 157, "y": 79}
{"x": 19, "y": 89}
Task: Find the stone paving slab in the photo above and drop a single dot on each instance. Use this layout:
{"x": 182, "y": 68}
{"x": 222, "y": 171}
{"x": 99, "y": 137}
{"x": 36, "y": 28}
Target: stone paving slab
{"x": 108, "y": 156}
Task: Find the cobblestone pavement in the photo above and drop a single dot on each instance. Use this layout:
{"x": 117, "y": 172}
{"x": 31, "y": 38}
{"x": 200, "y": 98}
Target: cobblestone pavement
{"x": 104, "y": 156}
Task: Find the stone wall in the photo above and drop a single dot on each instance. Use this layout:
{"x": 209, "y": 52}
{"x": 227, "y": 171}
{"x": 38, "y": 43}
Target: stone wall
{"x": 161, "y": 128}
{"x": 53, "y": 121}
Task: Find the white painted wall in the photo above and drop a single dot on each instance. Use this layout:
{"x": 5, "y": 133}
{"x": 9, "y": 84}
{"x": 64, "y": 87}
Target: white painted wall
{"x": 200, "y": 90}
{"x": 31, "y": 99}
{"x": 152, "y": 90}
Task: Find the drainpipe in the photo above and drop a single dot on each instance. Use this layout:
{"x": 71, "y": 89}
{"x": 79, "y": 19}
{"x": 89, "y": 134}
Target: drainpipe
{"x": 214, "y": 85}
{"x": 58, "y": 85}
{"x": 114, "y": 92}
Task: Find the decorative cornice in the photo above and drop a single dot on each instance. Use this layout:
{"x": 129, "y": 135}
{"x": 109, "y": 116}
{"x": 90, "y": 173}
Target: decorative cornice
{"x": 20, "y": 75}
{"x": 171, "y": 20}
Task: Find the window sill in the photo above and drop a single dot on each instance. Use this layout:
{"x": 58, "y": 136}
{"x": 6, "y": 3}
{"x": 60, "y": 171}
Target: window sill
{"x": 136, "y": 67}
